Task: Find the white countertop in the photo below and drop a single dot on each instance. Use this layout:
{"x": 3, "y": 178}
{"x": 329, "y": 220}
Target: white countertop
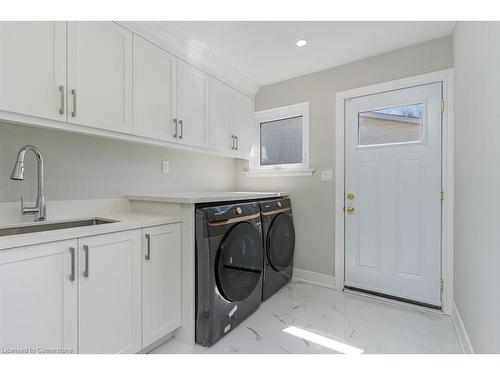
{"x": 205, "y": 197}
{"x": 124, "y": 221}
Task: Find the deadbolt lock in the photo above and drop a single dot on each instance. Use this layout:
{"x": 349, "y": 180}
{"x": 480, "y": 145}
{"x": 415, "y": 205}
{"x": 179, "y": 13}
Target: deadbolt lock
{"x": 350, "y": 209}
{"x": 350, "y": 196}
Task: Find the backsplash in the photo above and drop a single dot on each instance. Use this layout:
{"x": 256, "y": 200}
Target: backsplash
{"x": 83, "y": 167}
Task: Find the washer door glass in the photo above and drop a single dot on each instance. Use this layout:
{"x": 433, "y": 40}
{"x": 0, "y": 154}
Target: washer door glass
{"x": 280, "y": 242}
{"x": 239, "y": 264}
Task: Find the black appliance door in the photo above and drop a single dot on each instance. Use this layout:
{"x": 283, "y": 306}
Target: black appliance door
{"x": 280, "y": 242}
{"x": 240, "y": 261}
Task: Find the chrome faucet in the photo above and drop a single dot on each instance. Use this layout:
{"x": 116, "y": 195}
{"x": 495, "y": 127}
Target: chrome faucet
{"x": 40, "y": 210}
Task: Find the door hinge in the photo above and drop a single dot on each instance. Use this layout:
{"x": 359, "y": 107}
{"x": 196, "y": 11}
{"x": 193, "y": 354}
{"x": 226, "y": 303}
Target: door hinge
{"x": 441, "y": 285}
{"x": 442, "y": 196}
{"x": 442, "y": 105}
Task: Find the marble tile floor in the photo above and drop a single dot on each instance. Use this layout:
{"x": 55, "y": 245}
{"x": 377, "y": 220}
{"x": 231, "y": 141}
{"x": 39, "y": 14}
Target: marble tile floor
{"x": 308, "y": 319}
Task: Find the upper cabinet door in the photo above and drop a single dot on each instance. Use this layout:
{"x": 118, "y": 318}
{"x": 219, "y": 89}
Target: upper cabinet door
{"x": 193, "y": 105}
{"x": 244, "y": 124}
{"x": 33, "y": 68}
{"x": 221, "y": 116}
{"x": 100, "y": 75}
{"x": 155, "y": 91}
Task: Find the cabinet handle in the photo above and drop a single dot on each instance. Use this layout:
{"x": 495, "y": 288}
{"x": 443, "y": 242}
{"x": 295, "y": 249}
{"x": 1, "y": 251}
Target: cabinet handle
{"x": 232, "y": 144}
{"x": 86, "y": 253}
{"x": 175, "y": 128}
{"x": 61, "y": 109}
{"x": 148, "y": 247}
{"x": 182, "y": 129}
{"x": 237, "y": 142}
{"x": 72, "y": 274}
{"x": 73, "y": 113}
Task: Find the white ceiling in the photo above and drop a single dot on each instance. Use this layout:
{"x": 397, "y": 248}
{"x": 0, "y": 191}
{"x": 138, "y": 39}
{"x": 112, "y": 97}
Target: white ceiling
{"x": 265, "y": 52}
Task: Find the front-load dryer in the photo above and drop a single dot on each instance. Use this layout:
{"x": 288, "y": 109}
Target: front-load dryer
{"x": 229, "y": 261}
{"x": 279, "y": 244}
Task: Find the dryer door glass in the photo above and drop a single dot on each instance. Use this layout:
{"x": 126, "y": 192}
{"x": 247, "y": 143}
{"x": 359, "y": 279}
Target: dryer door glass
{"x": 239, "y": 263}
{"x": 280, "y": 242}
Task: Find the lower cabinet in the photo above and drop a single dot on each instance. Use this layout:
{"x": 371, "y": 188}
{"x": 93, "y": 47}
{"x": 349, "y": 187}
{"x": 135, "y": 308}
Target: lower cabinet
{"x": 161, "y": 282}
{"x": 110, "y": 293}
{"x": 38, "y": 298}
{"x": 109, "y": 307}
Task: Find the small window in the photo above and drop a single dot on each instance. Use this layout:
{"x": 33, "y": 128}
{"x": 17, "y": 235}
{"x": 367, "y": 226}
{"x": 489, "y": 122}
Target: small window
{"x": 281, "y": 141}
{"x": 282, "y": 145}
{"x": 394, "y": 125}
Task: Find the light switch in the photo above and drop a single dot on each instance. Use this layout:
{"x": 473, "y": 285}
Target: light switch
{"x": 327, "y": 175}
{"x": 165, "y": 166}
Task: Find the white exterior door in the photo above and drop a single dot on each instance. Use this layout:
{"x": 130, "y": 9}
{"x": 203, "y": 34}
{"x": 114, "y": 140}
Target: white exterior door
{"x": 393, "y": 193}
{"x": 100, "y": 75}
{"x": 155, "y": 91}
{"x": 194, "y": 104}
{"x": 33, "y": 69}
{"x": 38, "y": 297}
{"x": 109, "y": 319}
{"x": 161, "y": 282}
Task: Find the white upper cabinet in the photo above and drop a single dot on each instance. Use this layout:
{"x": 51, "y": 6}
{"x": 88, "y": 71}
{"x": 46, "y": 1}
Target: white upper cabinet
{"x": 38, "y": 296}
{"x": 100, "y": 75}
{"x": 155, "y": 91}
{"x": 221, "y": 116}
{"x": 33, "y": 69}
{"x": 244, "y": 124}
{"x": 193, "y": 99}
{"x": 232, "y": 126}
{"x": 114, "y": 83}
{"x": 161, "y": 282}
{"x": 109, "y": 318}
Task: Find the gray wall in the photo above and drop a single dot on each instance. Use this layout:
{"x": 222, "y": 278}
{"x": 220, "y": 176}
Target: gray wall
{"x": 477, "y": 182}
{"x": 82, "y": 167}
{"x": 312, "y": 199}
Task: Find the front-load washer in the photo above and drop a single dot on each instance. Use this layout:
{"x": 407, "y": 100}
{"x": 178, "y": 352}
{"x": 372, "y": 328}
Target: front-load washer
{"x": 279, "y": 244}
{"x": 229, "y": 261}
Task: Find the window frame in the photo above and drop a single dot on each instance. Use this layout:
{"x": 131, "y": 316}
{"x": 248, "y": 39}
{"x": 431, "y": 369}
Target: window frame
{"x": 281, "y": 113}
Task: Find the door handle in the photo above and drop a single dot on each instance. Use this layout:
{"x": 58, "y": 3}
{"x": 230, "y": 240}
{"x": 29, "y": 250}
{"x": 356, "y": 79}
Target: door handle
{"x": 73, "y": 113}
{"x": 175, "y": 128}
{"x": 61, "y": 109}
{"x": 350, "y": 210}
{"x": 182, "y": 129}
{"x": 72, "y": 273}
{"x": 86, "y": 254}
{"x": 148, "y": 247}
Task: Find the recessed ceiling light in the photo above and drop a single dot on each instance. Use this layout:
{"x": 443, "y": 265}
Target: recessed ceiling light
{"x": 301, "y": 43}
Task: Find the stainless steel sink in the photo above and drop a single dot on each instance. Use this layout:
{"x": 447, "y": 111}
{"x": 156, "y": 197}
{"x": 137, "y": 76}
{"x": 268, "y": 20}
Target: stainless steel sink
{"x": 52, "y": 226}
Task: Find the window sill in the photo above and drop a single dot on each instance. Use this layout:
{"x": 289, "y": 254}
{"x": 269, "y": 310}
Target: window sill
{"x": 280, "y": 173}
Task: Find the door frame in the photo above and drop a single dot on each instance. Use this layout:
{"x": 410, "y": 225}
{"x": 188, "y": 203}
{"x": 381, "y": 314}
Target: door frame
{"x": 447, "y": 78}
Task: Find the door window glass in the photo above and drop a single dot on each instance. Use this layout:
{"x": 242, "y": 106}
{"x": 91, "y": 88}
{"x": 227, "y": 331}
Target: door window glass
{"x": 391, "y": 125}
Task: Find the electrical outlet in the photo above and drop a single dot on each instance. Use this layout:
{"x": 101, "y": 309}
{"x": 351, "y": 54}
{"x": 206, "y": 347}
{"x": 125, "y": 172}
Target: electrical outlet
{"x": 165, "y": 166}
{"x": 327, "y": 175}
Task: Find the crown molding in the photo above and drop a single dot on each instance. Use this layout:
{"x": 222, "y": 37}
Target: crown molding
{"x": 191, "y": 51}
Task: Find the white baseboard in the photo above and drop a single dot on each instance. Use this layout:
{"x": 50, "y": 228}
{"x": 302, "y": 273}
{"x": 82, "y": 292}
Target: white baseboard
{"x": 463, "y": 338}
{"x": 315, "y": 278}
